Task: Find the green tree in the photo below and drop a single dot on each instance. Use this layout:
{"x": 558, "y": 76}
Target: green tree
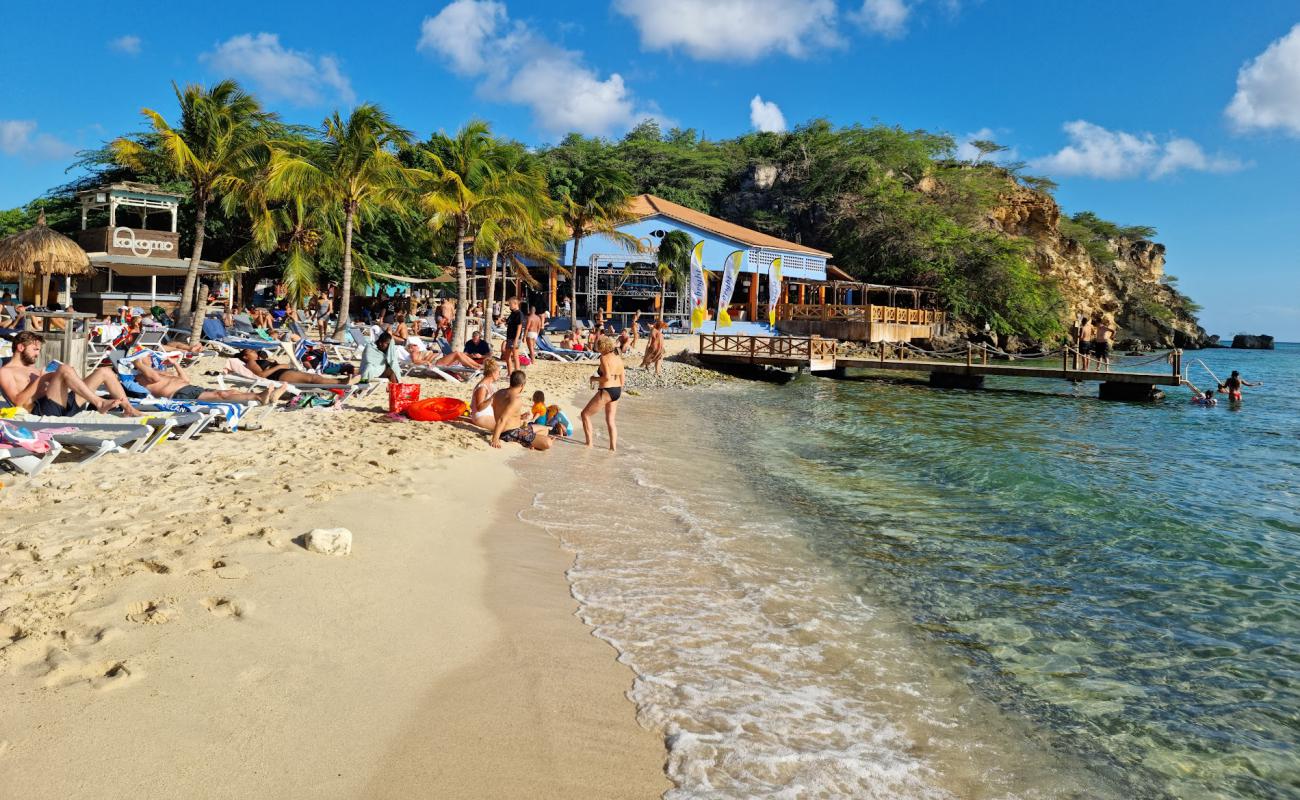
{"x": 986, "y": 147}
{"x": 673, "y": 263}
{"x": 465, "y": 185}
{"x": 357, "y": 169}
{"x": 219, "y": 126}
{"x": 596, "y": 200}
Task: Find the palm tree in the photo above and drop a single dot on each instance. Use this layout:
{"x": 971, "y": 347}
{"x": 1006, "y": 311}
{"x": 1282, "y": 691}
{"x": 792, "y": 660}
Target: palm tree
{"x": 527, "y": 228}
{"x": 673, "y": 263}
{"x": 597, "y": 202}
{"x": 218, "y": 128}
{"x": 466, "y": 185}
{"x": 357, "y": 168}
{"x": 297, "y": 226}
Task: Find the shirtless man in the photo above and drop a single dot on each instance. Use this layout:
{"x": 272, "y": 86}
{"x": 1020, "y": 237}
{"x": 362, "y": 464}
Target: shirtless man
{"x": 178, "y": 387}
{"x": 1102, "y": 340}
{"x": 532, "y": 330}
{"x": 55, "y": 393}
{"x": 654, "y": 348}
{"x": 272, "y": 371}
{"x": 512, "y": 417}
{"x": 1085, "y": 341}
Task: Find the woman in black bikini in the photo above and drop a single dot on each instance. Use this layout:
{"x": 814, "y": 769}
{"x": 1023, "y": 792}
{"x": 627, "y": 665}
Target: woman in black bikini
{"x": 265, "y": 368}
{"x": 609, "y": 382}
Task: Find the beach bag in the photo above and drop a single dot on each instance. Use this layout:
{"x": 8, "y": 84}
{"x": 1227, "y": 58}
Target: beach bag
{"x": 401, "y": 395}
{"x": 18, "y": 436}
{"x": 437, "y": 409}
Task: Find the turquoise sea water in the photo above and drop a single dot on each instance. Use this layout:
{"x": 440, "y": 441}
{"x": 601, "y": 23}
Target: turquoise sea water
{"x": 875, "y": 589}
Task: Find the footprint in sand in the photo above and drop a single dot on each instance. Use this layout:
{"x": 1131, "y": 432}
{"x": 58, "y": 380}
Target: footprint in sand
{"x": 151, "y": 612}
{"x": 225, "y": 607}
{"x": 65, "y": 671}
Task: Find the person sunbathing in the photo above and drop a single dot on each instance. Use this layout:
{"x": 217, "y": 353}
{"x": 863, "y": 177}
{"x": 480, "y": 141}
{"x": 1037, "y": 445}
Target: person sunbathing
{"x": 272, "y": 371}
{"x": 178, "y": 387}
{"x": 425, "y": 358}
{"x": 54, "y": 393}
{"x": 572, "y": 341}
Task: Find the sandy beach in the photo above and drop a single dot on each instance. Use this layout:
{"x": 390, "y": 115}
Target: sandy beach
{"x": 163, "y": 633}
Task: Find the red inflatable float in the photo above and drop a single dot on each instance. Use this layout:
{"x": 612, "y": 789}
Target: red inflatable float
{"x": 437, "y": 409}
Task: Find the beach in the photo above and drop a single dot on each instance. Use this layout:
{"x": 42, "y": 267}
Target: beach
{"x": 165, "y": 633}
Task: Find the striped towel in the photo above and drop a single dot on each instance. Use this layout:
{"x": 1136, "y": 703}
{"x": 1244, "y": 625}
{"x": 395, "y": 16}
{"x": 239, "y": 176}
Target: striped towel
{"x": 233, "y": 413}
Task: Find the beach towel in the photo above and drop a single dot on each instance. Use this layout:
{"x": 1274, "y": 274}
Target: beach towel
{"x": 18, "y": 436}
{"x": 233, "y": 413}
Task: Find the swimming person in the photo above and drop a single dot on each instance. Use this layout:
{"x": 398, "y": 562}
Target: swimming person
{"x": 609, "y": 388}
{"x": 1205, "y": 399}
{"x": 1232, "y": 386}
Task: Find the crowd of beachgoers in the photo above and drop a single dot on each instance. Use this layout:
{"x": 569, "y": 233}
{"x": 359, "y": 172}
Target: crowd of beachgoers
{"x": 147, "y": 379}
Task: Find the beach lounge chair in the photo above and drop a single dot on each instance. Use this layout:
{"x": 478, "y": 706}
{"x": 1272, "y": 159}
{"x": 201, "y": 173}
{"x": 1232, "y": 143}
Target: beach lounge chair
{"x": 28, "y": 462}
{"x": 96, "y": 439}
{"x": 547, "y": 350}
{"x": 349, "y": 390}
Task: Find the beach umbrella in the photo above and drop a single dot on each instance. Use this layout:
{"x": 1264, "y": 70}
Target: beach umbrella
{"x": 42, "y": 252}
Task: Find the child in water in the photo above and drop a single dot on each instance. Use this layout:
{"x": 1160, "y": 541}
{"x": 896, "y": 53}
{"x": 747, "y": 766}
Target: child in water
{"x": 553, "y": 418}
{"x": 1206, "y": 399}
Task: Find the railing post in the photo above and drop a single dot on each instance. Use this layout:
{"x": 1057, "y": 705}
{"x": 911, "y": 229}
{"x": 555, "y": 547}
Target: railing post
{"x": 1065, "y": 358}
{"x": 753, "y": 342}
{"x": 984, "y": 354}
{"x": 1178, "y": 364}
{"x": 970, "y": 355}
{"x": 882, "y": 350}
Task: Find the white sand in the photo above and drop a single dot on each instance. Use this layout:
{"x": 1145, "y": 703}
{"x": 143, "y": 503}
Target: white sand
{"x": 162, "y": 635}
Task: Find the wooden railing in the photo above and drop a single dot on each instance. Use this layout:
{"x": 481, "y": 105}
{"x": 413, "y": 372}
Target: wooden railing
{"x": 844, "y": 313}
{"x": 795, "y": 348}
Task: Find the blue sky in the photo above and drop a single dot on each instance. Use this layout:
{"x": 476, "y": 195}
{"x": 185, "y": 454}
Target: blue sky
{"x": 1181, "y": 115}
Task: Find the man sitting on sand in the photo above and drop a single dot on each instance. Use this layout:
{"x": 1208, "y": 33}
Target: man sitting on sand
{"x": 261, "y": 367}
{"x": 54, "y": 393}
{"x": 511, "y": 411}
{"x": 178, "y": 386}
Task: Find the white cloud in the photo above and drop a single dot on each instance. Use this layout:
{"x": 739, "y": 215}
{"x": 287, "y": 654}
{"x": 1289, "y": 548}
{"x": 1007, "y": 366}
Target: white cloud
{"x": 734, "y": 30}
{"x": 129, "y": 44}
{"x": 460, "y": 34}
{"x": 765, "y": 115}
{"x": 885, "y": 17}
{"x": 514, "y": 64}
{"x": 1097, "y": 152}
{"x": 1268, "y": 88}
{"x": 281, "y": 73}
{"x": 968, "y": 152}
{"x": 18, "y": 137}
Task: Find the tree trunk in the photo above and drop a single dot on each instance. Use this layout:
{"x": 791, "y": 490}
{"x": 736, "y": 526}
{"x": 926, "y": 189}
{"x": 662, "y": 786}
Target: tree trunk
{"x": 491, "y": 293}
{"x": 189, "y": 302}
{"x": 462, "y": 287}
{"x": 660, "y": 307}
{"x": 573, "y": 281}
{"x": 345, "y": 292}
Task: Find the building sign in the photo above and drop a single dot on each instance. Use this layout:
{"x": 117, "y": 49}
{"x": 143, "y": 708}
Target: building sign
{"x": 122, "y": 241}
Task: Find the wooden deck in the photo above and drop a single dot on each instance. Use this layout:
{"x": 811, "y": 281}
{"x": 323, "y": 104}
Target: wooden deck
{"x": 821, "y": 356}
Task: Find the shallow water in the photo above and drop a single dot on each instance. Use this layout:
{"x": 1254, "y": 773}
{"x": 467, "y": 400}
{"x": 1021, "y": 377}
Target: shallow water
{"x": 873, "y": 589}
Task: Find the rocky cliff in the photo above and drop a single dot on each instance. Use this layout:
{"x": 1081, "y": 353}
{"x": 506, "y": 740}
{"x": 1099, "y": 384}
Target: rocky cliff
{"x": 1129, "y": 285}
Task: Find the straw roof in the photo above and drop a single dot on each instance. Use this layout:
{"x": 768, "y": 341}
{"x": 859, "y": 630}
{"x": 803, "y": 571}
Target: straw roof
{"x": 41, "y": 251}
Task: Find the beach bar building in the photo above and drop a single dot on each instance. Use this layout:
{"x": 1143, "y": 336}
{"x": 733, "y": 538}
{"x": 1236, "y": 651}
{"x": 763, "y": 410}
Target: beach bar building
{"x": 610, "y": 278}
{"x": 129, "y": 232}
{"x": 815, "y": 296}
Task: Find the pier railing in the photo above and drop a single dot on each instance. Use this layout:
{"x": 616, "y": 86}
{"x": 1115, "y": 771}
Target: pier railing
{"x": 813, "y": 312}
{"x": 793, "y": 348}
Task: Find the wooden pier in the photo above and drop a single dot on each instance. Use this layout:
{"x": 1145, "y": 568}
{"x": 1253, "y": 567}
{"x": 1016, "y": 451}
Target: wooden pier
{"x": 821, "y": 356}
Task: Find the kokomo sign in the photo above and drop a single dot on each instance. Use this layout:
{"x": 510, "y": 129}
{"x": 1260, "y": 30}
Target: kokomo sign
{"x": 129, "y": 241}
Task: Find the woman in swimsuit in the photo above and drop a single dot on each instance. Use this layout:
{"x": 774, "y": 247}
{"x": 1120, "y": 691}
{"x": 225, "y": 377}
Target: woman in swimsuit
{"x": 654, "y": 349}
{"x": 609, "y": 382}
{"x": 480, "y": 404}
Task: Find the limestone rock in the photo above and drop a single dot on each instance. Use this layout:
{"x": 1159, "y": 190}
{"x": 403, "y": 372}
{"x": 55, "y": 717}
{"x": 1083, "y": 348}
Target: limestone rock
{"x": 329, "y": 541}
{"x": 1245, "y": 341}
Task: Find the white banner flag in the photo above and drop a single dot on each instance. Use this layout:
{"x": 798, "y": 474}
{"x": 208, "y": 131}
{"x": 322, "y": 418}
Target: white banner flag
{"x": 699, "y": 289}
{"x": 773, "y": 290}
{"x": 730, "y": 272}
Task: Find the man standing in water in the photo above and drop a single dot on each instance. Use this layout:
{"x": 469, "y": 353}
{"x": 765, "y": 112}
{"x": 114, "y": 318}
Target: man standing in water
{"x": 1232, "y": 386}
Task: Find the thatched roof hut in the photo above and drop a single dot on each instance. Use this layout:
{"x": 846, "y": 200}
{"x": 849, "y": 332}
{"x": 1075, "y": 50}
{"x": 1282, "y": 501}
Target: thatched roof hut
{"x": 41, "y": 251}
